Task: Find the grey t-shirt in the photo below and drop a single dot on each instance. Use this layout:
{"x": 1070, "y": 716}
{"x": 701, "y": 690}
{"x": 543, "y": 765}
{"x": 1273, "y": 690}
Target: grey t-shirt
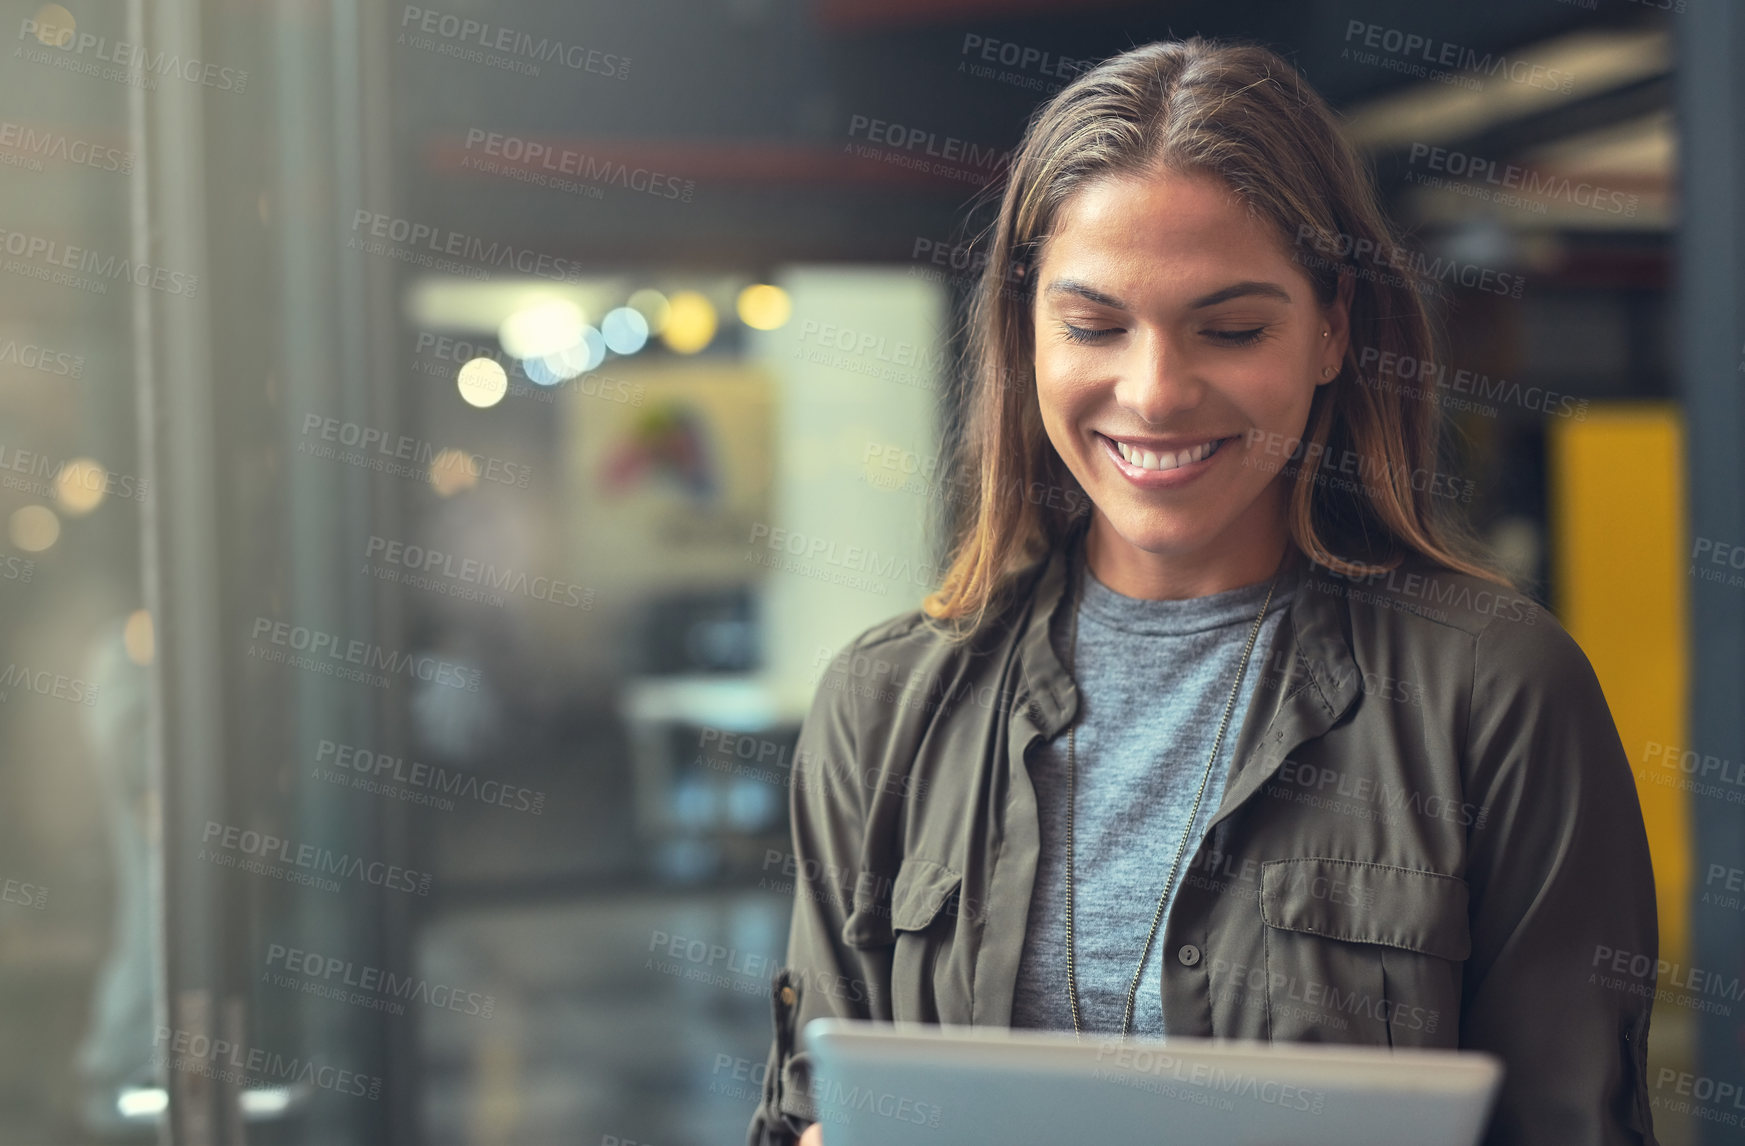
{"x": 1153, "y": 680}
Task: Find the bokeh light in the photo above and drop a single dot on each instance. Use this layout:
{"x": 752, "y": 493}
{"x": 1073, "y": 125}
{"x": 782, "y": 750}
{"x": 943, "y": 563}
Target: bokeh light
{"x": 452, "y": 471}
{"x": 652, "y": 306}
{"x": 79, "y": 486}
{"x": 577, "y": 359}
{"x": 764, "y": 307}
{"x": 690, "y": 323}
{"x": 625, "y": 330}
{"x": 482, "y": 382}
{"x": 543, "y": 328}
{"x": 34, "y": 528}
{"x": 54, "y": 26}
{"x": 139, "y": 638}
{"x": 539, "y": 373}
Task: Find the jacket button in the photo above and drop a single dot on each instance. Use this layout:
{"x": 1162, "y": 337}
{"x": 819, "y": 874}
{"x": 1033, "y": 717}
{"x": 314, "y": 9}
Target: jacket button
{"x": 787, "y": 996}
{"x": 1188, "y": 954}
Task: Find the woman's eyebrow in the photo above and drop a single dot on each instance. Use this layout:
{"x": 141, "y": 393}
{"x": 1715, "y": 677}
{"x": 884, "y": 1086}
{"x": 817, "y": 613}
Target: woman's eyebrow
{"x": 1244, "y": 289}
{"x": 1085, "y": 291}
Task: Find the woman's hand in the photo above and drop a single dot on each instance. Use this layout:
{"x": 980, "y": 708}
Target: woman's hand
{"x": 813, "y": 1135}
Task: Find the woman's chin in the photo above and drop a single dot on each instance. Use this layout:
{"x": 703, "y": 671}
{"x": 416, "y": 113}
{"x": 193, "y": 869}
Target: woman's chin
{"x": 1162, "y": 538}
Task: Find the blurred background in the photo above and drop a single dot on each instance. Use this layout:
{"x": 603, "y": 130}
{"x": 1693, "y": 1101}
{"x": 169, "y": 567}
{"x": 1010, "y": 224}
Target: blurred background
{"x": 440, "y": 447}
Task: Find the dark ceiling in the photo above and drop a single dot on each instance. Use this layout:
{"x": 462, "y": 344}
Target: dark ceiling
{"x": 756, "y": 103}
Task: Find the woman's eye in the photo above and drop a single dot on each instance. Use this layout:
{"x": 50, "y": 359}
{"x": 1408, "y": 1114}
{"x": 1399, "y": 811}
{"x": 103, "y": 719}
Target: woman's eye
{"x": 1221, "y": 337}
{"x": 1085, "y": 333}
{"x": 1237, "y": 337}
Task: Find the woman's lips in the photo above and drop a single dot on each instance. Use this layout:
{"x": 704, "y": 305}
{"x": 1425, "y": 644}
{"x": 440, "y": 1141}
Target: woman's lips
{"x": 1159, "y": 479}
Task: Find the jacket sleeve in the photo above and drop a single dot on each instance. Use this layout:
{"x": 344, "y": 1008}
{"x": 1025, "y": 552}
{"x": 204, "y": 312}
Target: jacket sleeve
{"x": 1562, "y": 896}
{"x": 822, "y": 976}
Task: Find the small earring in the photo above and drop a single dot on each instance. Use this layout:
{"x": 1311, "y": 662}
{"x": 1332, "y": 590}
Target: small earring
{"x": 1324, "y": 334}
{"x": 1327, "y": 373}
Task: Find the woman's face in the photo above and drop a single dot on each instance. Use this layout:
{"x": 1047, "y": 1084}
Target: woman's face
{"x": 1168, "y": 323}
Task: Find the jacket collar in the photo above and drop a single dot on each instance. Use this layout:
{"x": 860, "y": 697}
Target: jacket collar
{"x": 1318, "y": 683}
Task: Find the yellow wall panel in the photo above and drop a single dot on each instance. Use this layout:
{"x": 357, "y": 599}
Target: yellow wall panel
{"x": 1617, "y": 508}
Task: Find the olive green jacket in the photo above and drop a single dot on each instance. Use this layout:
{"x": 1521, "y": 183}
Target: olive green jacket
{"x": 1430, "y": 836}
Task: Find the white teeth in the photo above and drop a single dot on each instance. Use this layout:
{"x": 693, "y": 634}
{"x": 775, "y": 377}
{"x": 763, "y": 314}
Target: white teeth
{"x": 1145, "y": 459}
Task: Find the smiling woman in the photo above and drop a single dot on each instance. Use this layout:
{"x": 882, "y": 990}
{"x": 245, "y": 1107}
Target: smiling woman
{"x": 1471, "y": 844}
{"x": 1154, "y": 214}
{"x": 1175, "y": 338}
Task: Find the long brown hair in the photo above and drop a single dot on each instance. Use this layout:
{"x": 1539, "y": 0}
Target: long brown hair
{"x": 1242, "y": 113}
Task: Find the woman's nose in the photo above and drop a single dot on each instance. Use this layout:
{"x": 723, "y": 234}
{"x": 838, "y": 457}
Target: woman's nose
{"x": 1158, "y": 379}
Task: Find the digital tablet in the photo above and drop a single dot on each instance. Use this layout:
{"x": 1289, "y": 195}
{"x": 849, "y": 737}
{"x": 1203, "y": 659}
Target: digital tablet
{"x": 912, "y": 1084}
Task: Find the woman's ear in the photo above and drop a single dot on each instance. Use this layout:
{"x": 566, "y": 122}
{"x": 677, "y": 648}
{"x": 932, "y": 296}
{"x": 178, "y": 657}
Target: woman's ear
{"x": 1336, "y": 319}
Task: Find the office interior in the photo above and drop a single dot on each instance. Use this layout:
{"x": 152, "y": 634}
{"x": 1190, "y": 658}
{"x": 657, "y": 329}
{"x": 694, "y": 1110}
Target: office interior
{"x": 458, "y": 478}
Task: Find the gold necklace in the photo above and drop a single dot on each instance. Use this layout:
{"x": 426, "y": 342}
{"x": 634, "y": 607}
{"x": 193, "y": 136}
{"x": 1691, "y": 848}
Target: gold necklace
{"x": 1071, "y": 783}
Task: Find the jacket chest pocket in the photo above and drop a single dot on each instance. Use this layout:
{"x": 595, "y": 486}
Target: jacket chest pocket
{"x": 918, "y": 927}
{"x": 1362, "y": 952}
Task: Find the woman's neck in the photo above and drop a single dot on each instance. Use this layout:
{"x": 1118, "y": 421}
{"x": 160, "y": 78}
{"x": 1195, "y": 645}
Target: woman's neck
{"x": 1134, "y": 572}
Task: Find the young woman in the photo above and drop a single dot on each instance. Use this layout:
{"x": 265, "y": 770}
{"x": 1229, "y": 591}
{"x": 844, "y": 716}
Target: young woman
{"x": 1218, "y": 725}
